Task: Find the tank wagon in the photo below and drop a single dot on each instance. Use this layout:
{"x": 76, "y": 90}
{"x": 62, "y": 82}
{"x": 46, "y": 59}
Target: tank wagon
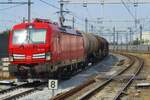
{"x": 42, "y": 50}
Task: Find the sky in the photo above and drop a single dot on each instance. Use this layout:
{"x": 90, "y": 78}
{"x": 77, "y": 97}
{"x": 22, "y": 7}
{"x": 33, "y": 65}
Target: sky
{"x": 113, "y": 15}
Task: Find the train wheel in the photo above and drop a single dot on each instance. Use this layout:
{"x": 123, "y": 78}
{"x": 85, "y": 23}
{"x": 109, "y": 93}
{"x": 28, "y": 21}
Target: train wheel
{"x": 67, "y": 73}
{"x": 62, "y": 74}
{"x": 23, "y": 72}
{"x": 100, "y": 54}
{"x": 59, "y": 73}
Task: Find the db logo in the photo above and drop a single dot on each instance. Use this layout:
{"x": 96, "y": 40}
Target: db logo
{"x": 28, "y": 57}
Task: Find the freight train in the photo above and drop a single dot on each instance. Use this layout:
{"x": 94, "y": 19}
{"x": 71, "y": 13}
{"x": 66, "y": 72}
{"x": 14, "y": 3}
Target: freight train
{"x": 41, "y": 50}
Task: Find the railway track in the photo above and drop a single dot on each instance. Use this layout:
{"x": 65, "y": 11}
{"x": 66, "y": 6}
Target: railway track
{"x": 125, "y": 86}
{"x": 90, "y": 88}
{"x": 19, "y": 91}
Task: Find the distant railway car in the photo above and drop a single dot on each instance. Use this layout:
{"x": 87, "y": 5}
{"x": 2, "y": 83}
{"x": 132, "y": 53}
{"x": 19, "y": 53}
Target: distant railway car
{"x": 4, "y": 39}
{"x": 42, "y": 50}
{"x": 105, "y": 47}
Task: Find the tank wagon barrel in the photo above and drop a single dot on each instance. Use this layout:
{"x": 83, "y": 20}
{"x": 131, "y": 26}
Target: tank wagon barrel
{"x": 90, "y": 42}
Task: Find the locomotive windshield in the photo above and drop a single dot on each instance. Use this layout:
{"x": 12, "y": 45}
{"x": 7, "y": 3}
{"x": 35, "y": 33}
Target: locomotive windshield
{"x": 30, "y": 36}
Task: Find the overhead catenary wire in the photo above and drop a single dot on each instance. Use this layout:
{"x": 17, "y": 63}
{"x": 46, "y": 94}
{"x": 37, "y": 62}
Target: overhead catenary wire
{"x": 124, "y": 4}
{"x": 10, "y": 21}
{"x": 49, "y": 4}
{"x": 20, "y": 3}
{"x": 12, "y": 15}
{"x": 88, "y": 13}
{"x": 7, "y": 8}
{"x": 10, "y": 7}
{"x": 70, "y": 12}
{"x": 104, "y": 2}
{"x": 77, "y": 17}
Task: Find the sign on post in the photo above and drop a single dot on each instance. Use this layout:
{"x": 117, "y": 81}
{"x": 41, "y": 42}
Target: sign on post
{"x": 53, "y": 84}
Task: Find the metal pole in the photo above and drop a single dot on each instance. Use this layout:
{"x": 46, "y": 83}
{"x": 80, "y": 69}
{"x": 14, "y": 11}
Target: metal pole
{"x": 53, "y": 92}
{"x": 29, "y": 11}
{"x": 121, "y": 43}
{"x": 73, "y": 22}
{"x": 130, "y": 33}
{"x": 24, "y": 19}
{"x": 141, "y": 34}
{"x": 114, "y": 31}
{"x": 127, "y": 42}
{"x": 130, "y": 36}
{"x": 61, "y": 13}
{"x": 92, "y": 28}
{"x": 135, "y": 5}
{"x": 86, "y": 25}
{"x": 117, "y": 41}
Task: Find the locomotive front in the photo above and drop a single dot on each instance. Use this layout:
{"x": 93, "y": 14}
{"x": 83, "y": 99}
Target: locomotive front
{"x": 29, "y": 45}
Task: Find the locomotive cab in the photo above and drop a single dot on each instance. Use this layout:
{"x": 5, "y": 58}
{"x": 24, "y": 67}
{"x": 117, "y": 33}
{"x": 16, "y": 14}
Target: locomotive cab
{"x": 29, "y": 45}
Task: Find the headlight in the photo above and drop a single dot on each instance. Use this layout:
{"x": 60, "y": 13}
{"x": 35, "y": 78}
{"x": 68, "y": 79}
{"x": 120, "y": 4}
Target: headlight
{"x": 38, "y": 56}
{"x": 18, "y": 56}
{"x": 48, "y": 56}
{"x": 11, "y": 58}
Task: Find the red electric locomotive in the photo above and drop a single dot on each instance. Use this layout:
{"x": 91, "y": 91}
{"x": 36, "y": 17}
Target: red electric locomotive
{"x": 39, "y": 48}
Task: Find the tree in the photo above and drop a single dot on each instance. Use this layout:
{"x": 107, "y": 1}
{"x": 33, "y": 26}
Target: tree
{"x": 136, "y": 42}
{"x": 6, "y": 32}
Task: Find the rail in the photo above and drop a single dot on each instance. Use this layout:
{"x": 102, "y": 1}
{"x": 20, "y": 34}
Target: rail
{"x": 117, "y": 97}
{"x": 92, "y": 91}
{"x": 34, "y": 88}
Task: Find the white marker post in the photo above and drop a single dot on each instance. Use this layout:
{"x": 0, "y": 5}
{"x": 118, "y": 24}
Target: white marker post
{"x": 53, "y": 85}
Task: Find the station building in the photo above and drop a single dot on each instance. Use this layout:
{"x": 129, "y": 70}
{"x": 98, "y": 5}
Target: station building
{"x": 146, "y": 37}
